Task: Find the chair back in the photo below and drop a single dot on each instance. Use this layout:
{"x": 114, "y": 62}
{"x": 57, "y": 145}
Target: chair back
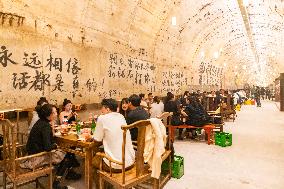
{"x": 139, "y": 165}
{"x": 9, "y": 146}
{"x": 165, "y": 117}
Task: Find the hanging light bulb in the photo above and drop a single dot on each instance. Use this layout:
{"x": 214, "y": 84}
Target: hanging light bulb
{"x": 246, "y": 3}
{"x": 273, "y": 54}
{"x": 174, "y": 21}
{"x": 216, "y": 54}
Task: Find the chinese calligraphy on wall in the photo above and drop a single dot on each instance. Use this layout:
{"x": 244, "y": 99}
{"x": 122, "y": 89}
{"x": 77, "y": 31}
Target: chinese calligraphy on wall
{"x": 210, "y": 74}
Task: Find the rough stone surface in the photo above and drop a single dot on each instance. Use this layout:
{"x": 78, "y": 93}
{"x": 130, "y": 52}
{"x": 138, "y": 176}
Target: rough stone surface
{"x": 121, "y": 47}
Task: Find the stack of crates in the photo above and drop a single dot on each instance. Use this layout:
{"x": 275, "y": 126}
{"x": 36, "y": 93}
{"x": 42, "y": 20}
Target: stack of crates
{"x": 177, "y": 167}
{"x": 223, "y": 139}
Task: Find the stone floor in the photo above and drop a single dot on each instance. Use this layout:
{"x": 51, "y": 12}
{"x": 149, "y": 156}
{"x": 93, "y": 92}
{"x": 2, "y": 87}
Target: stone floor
{"x": 254, "y": 161}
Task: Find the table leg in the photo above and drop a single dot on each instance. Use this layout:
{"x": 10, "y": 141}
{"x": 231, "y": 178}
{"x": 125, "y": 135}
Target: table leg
{"x": 207, "y": 131}
{"x": 89, "y": 168}
{"x": 172, "y": 133}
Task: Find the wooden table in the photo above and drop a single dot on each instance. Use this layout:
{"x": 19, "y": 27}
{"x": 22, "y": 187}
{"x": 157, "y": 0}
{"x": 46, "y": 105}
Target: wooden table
{"x": 68, "y": 142}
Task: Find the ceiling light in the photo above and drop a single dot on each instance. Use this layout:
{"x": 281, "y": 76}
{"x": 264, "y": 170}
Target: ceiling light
{"x": 216, "y": 55}
{"x": 246, "y": 3}
{"x": 174, "y": 21}
{"x": 273, "y": 54}
{"x": 202, "y": 54}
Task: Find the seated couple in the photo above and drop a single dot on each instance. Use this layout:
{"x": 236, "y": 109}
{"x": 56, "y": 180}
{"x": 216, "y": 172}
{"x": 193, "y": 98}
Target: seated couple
{"x": 41, "y": 139}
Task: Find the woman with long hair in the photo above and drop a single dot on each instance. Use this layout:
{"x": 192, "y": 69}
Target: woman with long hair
{"x": 67, "y": 115}
{"x": 123, "y": 107}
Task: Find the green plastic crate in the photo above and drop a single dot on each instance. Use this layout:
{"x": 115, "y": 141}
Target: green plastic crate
{"x": 223, "y": 139}
{"x": 178, "y": 167}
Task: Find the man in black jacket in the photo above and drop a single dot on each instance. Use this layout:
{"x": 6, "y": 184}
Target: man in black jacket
{"x": 136, "y": 113}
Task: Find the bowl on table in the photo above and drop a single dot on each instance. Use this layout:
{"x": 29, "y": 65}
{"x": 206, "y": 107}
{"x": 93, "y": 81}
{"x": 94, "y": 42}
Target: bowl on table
{"x": 86, "y": 130}
{"x": 64, "y": 129}
{"x": 84, "y": 136}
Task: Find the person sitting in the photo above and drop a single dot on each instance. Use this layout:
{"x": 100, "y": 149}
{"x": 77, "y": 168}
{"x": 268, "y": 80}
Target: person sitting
{"x": 136, "y": 113}
{"x": 150, "y": 99}
{"x": 183, "y": 98}
{"x": 197, "y": 115}
{"x": 143, "y": 102}
{"x": 35, "y": 117}
{"x": 218, "y": 100}
{"x": 123, "y": 107}
{"x": 109, "y": 128}
{"x": 157, "y": 107}
{"x": 67, "y": 115}
{"x": 172, "y": 105}
{"x": 41, "y": 139}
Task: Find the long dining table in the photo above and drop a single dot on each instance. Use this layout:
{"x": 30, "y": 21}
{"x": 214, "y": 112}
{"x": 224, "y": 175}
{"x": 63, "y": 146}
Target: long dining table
{"x": 70, "y": 143}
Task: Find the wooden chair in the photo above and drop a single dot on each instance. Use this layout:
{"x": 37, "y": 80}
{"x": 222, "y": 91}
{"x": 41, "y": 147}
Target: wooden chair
{"x": 139, "y": 173}
{"x": 13, "y": 155}
{"x": 164, "y": 178}
{"x": 216, "y": 115}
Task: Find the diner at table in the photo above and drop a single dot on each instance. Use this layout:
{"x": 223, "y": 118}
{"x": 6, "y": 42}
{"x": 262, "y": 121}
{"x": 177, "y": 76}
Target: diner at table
{"x": 41, "y": 139}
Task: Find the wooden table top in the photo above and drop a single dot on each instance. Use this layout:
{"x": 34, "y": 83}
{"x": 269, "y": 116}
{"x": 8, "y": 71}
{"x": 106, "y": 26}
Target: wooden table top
{"x": 72, "y": 138}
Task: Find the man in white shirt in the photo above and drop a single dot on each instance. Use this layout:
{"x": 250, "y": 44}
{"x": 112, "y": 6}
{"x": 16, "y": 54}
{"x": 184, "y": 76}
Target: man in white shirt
{"x": 109, "y": 132}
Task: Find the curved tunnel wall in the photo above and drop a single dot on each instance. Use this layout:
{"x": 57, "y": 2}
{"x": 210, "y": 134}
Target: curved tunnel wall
{"x": 88, "y": 50}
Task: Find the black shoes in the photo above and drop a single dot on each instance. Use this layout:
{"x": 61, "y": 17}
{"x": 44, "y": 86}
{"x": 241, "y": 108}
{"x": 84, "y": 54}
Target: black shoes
{"x": 56, "y": 185}
{"x": 72, "y": 175}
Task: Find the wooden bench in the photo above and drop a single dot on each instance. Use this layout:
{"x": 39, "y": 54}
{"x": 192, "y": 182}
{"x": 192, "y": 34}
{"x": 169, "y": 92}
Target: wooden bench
{"x": 208, "y": 130}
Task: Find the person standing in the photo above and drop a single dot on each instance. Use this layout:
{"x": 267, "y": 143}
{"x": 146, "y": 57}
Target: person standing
{"x": 257, "y": 95}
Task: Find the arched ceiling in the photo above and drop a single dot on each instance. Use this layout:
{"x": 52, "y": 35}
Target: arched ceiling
{"x": 246, "y": 39}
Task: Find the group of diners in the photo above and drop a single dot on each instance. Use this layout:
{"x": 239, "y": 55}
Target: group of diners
{"x": 108, "y": 128}
{"x": 41, "y": 138}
